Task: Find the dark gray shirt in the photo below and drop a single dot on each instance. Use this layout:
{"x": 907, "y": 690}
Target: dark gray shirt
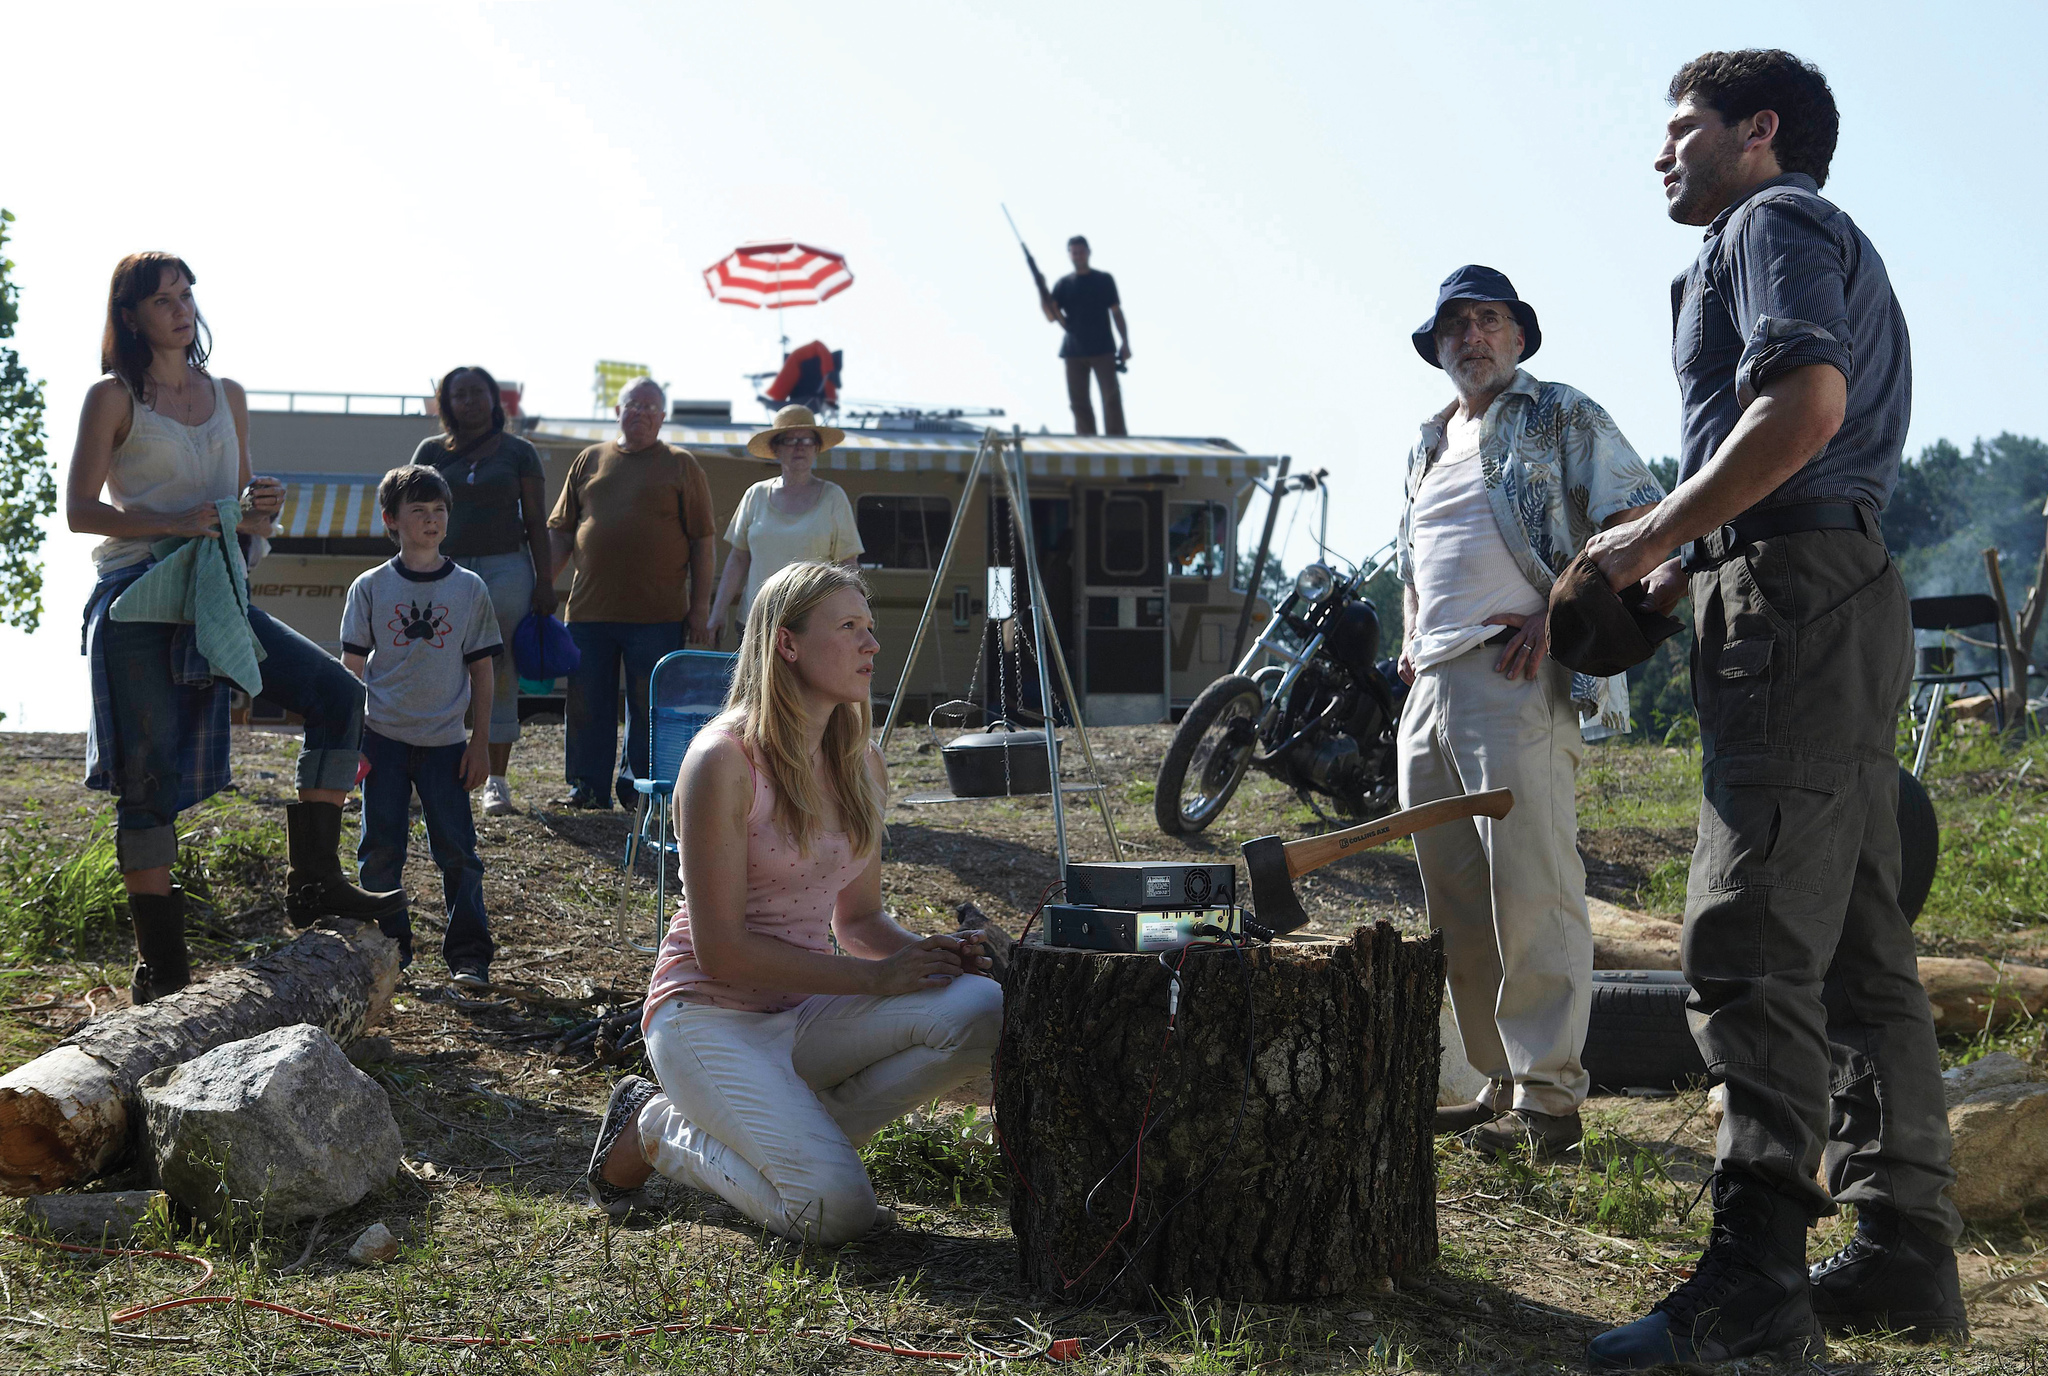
{"x": 1784, "y": 280}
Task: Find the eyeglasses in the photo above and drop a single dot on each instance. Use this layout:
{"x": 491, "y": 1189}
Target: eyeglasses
{"x": 1490, "y": 320}
{"x": 644, "y": 407}
{"x": 794, "y": 442}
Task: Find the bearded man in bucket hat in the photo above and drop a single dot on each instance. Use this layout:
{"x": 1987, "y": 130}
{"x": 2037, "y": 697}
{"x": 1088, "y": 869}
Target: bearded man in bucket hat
{"x": 1504, "y": 487}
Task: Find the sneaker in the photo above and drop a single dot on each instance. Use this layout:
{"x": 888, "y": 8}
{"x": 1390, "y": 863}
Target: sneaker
{"x": 1547, "y": 1136}
{"x": 1747, "y": 1298}
{"x": 1891, "y": 1278}
{"x": 470, "y": 976}
{"x": 498, "y": 797}
{"x": 582, "y": 795}
{"x": 629, "y": 1096}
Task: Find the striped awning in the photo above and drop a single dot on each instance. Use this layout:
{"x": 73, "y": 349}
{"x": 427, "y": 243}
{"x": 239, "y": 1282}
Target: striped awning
{"x": 329, "y": 506}
{"x": 1046, "y": 456}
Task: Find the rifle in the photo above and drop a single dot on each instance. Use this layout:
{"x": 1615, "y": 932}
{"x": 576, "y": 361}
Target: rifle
{"x": 1044, "y": 292}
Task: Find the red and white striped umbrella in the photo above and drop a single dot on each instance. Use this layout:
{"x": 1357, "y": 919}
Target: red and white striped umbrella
{"x": 778, "y": 273}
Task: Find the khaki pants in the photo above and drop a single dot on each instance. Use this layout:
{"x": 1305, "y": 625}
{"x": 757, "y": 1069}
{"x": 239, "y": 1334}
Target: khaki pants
{"x": 1508, "y": 895}
{"x": 1807, "y": 1000}
{"x": 768, "y": 1111}
{"x": 1104, "y": 368}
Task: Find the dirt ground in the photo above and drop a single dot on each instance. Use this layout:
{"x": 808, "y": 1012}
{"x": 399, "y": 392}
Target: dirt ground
{"x": 497, "y": 1127}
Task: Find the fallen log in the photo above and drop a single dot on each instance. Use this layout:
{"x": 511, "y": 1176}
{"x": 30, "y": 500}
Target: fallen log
{"x": 1287, "y": 1151}
{"x": 71, "y": 1113}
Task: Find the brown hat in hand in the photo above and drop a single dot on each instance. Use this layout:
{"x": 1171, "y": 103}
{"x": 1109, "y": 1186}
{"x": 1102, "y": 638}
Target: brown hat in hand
{"x": 1596, "y": 630}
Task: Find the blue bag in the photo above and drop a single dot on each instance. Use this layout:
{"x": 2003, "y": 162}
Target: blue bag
{"x": 543, "y": 649}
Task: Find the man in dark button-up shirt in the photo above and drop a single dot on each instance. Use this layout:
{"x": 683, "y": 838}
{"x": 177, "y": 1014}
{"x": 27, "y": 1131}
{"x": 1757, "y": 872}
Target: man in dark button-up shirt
{"x": 1795, "y": 376}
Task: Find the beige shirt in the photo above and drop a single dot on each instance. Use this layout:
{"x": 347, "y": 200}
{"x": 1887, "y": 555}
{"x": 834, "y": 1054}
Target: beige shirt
{"x": 633, "y": 517}
{"x": 774, "y": 540}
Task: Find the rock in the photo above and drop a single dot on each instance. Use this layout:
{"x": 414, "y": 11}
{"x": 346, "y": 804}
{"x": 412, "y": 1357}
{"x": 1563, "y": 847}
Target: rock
{"x": 1717, "y": 1104}
{"x": 370, "y": 1051}
{"x": 376, "y": 1246}
{"x": 1627, "y": 940}
{"x": 1456, "y": 1081}
{"x": 1963, "y": 990}
{"x": 2001, "y": 1148}
{"x": 1989, "y": 1072}
{"x": 93, "y": 1218}
{"x": 279, "y": 1125}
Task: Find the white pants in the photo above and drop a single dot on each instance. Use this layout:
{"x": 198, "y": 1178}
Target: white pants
{"x": 1508, "y": 895}
{"x": 768, "y": 1111}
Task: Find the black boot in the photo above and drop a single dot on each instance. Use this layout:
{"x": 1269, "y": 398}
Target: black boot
{"x": 1747, "y": 1297}
{"x": 159, "y": 920}
{"x": 1891, "y": 1278}
{"x": 315, "y": 886}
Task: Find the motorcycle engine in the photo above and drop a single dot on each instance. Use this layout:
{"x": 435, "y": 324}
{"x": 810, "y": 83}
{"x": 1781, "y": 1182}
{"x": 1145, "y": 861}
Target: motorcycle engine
{"x": 1335, "y": 763}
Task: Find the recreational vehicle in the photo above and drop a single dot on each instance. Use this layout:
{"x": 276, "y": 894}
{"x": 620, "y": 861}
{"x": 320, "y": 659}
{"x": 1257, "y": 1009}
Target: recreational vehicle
{"x": 1136, "y": 538}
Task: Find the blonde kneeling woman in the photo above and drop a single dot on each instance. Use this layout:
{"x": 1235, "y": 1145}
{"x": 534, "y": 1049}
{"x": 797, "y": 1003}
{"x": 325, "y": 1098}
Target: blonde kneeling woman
{"x": 779, "y": 1057}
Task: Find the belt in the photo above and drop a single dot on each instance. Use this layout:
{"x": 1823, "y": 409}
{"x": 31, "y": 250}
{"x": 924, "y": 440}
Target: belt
{"x": 1717, "y": 547}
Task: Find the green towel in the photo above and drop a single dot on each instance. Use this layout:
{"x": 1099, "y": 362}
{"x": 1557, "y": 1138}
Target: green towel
{"x": 202, "y": 583}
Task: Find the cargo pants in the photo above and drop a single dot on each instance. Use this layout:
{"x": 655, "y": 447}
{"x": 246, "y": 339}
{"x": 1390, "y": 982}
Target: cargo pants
{"x": 1806, "y": 999}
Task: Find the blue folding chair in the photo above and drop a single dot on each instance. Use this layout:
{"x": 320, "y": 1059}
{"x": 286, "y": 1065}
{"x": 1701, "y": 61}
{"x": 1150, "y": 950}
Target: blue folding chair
{"x": 686, "y": 691}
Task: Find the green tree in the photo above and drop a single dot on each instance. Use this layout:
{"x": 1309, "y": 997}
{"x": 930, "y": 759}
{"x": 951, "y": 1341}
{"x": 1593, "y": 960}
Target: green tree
{"x": 28, "y": 489}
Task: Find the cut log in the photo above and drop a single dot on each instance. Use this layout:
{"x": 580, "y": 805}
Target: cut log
{"x": 71, "y": 1113}
{"x": 1313, "y": 1174}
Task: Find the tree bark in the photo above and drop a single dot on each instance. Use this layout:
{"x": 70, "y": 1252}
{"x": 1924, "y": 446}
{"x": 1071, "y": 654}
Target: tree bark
{"x": 1330, "y": 1181}
{"x": 69, "y": 1114}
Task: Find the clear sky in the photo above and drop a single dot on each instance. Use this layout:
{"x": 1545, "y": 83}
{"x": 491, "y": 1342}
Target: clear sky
{"x": 371, "y": 194}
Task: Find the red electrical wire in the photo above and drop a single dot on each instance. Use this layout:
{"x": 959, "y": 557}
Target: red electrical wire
{"x": 184, "y": 1300}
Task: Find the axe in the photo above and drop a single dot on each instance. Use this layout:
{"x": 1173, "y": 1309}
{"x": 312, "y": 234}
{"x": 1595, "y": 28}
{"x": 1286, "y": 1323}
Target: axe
{"x": 1275, "y": 864}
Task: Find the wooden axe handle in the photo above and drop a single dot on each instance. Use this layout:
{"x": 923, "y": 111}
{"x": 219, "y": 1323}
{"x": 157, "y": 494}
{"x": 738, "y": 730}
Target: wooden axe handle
{"x": 1313, "y": 852}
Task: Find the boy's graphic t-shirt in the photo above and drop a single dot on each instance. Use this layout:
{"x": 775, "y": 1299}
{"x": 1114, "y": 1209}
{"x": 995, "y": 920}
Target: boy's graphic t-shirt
{"x": 420, "y": 632}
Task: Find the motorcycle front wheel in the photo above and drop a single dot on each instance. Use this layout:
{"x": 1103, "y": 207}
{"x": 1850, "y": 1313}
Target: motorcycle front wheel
{"x": 1207, "y": 759}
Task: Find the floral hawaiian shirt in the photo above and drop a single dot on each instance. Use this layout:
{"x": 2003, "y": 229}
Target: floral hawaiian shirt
{"x": 1556, "y": 468}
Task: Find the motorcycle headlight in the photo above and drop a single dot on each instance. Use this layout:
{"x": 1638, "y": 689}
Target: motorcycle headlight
{"x": 1314, "y": 583}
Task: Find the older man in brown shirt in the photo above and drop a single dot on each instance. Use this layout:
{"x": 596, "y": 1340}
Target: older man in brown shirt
{"x": 635, "y": 514}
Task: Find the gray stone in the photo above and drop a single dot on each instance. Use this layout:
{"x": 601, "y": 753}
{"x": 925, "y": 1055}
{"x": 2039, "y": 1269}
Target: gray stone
{"x": 1988, "y": 1072}
{"x": 375, "y": 1247}
{"x": 2000, "y": 1128}
{"x": 91, "y": 1218}
{"x": 279, "y": 1125}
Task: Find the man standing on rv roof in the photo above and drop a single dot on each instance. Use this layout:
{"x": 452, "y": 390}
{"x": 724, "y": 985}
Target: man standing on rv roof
{"x": 1795, "y": 382}
{"x": 1085, "y": 302}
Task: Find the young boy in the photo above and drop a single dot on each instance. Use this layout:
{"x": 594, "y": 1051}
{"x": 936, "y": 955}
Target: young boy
{"x": 420, "y": 633}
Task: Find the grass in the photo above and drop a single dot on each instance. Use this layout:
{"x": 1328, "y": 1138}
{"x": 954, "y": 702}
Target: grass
{"x": 937, "y": 1156}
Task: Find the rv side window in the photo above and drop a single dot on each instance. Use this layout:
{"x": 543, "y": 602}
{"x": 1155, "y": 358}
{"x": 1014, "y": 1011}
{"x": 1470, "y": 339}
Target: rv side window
{"x": 1125, "y": 540}
{"x": 902, "y": 532}
{"x": 1198, "y": 539}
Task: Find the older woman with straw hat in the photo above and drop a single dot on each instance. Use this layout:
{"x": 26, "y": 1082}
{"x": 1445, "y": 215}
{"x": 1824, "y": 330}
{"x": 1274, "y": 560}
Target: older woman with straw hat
{"x": 790, "y": 519}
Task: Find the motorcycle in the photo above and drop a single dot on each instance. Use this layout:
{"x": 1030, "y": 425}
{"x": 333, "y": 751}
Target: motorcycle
{"x": 1322, "y": 721}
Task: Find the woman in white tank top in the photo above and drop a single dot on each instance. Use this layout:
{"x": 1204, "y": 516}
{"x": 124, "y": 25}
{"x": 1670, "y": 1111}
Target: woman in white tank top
{"x": 160, "y": 442}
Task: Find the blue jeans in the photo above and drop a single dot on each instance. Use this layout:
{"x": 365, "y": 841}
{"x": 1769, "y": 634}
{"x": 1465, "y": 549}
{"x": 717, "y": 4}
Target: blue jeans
{"x": 593, "y": 716}
{"x": 397, "y": 771}
{"x": 510, "y": 580}
{"x": 298, "y": 676}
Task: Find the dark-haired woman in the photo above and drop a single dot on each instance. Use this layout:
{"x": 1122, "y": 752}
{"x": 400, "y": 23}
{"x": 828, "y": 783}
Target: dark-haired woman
{"x": 161, "y": 444}
{"x": 497, "y": 529}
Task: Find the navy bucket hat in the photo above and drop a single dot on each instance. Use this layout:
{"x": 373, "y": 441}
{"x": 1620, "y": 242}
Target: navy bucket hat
{"x": 1475, "y": 283}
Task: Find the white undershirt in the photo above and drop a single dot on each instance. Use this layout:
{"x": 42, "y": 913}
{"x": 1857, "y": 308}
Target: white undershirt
{"x": 1463, "y": 570}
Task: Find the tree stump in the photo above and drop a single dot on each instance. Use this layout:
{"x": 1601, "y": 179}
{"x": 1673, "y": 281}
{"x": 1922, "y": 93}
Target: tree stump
{"x": 1313, "y": 1175}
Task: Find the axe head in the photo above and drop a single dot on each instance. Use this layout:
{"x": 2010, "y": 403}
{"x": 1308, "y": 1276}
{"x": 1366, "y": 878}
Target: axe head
{"x": 1279, "y": 911}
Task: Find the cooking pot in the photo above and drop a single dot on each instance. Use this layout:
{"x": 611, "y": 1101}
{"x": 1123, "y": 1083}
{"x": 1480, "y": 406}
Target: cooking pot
{"x": 1001, "y": 760}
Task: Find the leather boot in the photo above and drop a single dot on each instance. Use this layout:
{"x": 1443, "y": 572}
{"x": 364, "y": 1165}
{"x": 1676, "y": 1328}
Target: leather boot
{"x": 314, "y": 885}
{"x": 1747, "y": 1297}
{"x": 1891, "y": 1278}
{"x": 159, "y": 920}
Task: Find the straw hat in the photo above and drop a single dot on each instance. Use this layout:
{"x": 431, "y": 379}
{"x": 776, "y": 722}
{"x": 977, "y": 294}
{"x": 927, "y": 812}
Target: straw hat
{"x": 793, "y": 418}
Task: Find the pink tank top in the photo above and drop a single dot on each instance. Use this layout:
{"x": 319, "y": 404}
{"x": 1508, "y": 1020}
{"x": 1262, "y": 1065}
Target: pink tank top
{"x": 790, "y": 896}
